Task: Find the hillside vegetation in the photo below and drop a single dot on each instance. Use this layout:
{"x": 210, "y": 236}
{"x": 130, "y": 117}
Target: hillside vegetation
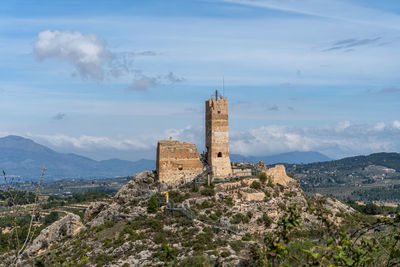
{"x": 244, "y": 222}
{"x": 368, "y": 178}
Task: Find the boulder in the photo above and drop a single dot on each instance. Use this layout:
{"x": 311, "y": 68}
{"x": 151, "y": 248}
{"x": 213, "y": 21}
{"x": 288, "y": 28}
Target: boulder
{"x": 108, "y": 213}
{"x": 94, "y": 209}
{"x": 252, "y": 195}
{"x": 68, "y": 226}
{"x": 142, "y": 184}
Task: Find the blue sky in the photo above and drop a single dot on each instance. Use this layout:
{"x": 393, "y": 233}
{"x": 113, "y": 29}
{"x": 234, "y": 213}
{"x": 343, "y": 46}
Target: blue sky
{"x": 109, "y": 78}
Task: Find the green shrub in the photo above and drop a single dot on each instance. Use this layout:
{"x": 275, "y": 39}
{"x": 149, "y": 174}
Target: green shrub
{"x": 99, "y": 228}
{"x": 52, "y": 217}
{"x": 152, "y": 205}
{"x": 155, "y": 225}
{"x": 160, "y": 238}
{"x": 206, "y": 204}
{"x": 39, "y": 262}
{"x": 83, "y": 261}
{"x": 270, "y": 179}
{"x": 267, "y": 220}
{"x": 263, "y": 177}
{"x": 247, "y": 237}
{"x": 225, "y": 254}
{"x": 214, "y": 217}
{"x": 276, "y": 192}
{"x": 290, "y": 194}
{"x": 229, "y": 201}
{"x": 167, "y": 253}
{"x": 103, "y": 259}
{"x": 176, "y": 197}
{"x": 237, "y": 245}
{"x": 194, "y": 187}
{"x": 255, "y": 185}
{"x": 107, "y": 243}
{"x": 249, "y": 214}
{"x": 197, "y": 261}
{"x": 207, "y": 191}
{"x": 238, "y": 218}
{"x": 109, "y": 224}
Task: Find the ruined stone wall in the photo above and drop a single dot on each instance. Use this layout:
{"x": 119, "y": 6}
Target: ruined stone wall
{"x": 241, "y": 172}
{"x": 217, "y": 137}
{"x": 177, "y": 162}
{"x": 279, "y": 175}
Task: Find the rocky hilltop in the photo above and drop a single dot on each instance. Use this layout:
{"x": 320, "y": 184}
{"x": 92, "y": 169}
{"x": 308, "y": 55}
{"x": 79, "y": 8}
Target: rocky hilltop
{"x": 150, "y": 224}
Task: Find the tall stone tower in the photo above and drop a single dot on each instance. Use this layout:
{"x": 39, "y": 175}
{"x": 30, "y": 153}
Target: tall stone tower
{"x": 217, "y": 136}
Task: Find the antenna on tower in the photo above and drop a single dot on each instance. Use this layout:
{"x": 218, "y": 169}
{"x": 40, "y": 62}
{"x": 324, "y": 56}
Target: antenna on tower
{"x": 223, "y": 86}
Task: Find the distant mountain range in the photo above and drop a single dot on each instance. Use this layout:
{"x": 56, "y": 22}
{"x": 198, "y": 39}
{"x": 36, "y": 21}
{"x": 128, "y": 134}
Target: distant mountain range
{"x": 296, "y": 157}
{"x": 24, "y": 158}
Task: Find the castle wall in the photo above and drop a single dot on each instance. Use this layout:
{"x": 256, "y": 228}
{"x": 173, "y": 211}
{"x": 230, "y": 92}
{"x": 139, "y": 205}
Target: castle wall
{"x": 177, "y": 161}
{"x": 217, "y": 137}
{"x": 241, "y": 172}
{"x": 279, "y": 175}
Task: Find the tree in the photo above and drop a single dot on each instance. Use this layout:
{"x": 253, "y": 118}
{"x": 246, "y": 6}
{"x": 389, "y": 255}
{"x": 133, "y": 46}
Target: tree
{"x": 152, "y": 205}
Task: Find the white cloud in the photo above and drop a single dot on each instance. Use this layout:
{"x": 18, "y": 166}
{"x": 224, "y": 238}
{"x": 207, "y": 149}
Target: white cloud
{"x": 98, "y": 143}
{"x": 380, "y": 126}
{"x": 144, "y": 82}
{"x": 343, "y": 139}
{"x": 396, "y": 124}
{"x": 86, "y": 142}
{"x": 341, "y": 126}
{"x": 355, "y": 139}
{"x": 84, "y": 51}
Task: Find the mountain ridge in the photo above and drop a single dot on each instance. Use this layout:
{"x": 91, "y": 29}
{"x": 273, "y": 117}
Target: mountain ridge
{"x": 25, "y": 158}
{"x": 295, "y": 157}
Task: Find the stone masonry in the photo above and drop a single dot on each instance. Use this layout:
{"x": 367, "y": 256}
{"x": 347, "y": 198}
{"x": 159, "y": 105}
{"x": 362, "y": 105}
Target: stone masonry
{"x": 217, "y": 136}
{"x": 177, "y": 161}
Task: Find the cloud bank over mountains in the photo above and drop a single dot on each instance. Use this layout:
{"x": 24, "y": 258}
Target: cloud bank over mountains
{"x": 338, "y": 140}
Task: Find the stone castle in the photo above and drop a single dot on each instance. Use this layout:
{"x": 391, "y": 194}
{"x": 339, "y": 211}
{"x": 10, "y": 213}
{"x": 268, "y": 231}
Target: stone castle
{"x": 179, "y": 162}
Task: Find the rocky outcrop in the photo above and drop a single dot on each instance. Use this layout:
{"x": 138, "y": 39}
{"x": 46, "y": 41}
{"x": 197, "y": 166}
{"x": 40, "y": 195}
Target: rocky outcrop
{"x": 278, "y": 173}
{"x": 68, "y": 226}
{"x": 334, "y": 206}
{"x": 252, "y": 195}
{"x": 142, "y": 185}
{"x": 93, "y": 210}
{"x": 108, "y": 213}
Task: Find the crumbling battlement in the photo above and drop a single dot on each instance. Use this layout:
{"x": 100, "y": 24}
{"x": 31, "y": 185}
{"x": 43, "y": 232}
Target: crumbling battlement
{"x": 177, "y": 161}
